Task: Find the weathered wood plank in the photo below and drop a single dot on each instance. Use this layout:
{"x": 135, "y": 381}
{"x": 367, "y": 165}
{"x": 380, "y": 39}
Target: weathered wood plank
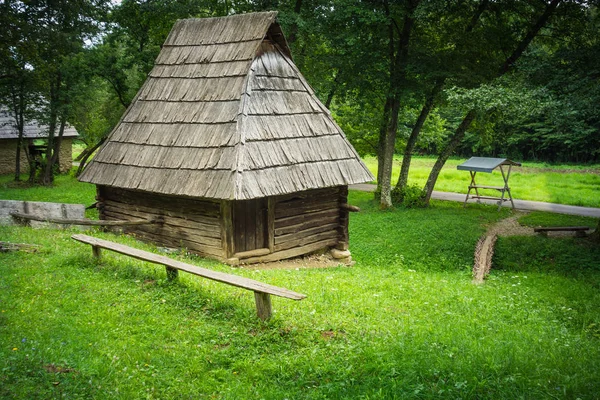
{"x": 164, "y": 211}
{"x": 90, "y": 222}
{"x": 263, "y": 305}
{"x": 306, "y": 208}
{"x": 252, "y": 253}
{"x": 227, "y": 239}
{"x": 307, "y": 240}
{"x": 271, "y": 223}
{"x": 306, "y": 232}
{"x": 209, "y": 230}
{"x": 229, "y": 279}
{"x": 178, "y": 243}
{"x": 294, "y": 252}
{"x": 306, "y": 225}
{"x": 177, "y": 204}
{"x": 181, "y": 237}
{"x": 308, "y": 193}
{"x": 298, "y": 219}
{"x": 307, "y": 199}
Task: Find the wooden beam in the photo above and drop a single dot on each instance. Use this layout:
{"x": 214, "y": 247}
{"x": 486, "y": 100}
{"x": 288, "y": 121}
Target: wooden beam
{"x": 251, "y": 253}
{"x": 263, "y": 305}
{"x": 96, "y": 252}
{"x": 90, "y": 222}
{"x": 350, "y": 208}
{"x": 172, "y": 273}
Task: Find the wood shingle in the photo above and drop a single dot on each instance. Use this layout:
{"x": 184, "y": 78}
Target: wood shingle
{"x": 225, "y": 114}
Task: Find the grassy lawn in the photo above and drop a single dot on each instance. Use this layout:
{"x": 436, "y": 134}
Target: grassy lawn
{"x": 404, "y": 322}
{"x": 577, "y": 185}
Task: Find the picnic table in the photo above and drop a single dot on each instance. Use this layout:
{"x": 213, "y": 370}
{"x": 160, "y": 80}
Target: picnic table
{"x": 488, "y": 165}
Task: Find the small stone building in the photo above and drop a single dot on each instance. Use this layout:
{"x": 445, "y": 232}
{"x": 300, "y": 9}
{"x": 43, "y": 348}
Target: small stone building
{"x": 227, "y": 143}
{"x": 9, "y": 139}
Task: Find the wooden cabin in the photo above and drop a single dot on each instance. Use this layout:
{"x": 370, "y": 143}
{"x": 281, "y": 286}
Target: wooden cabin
{"x": 227, "y": 143}
{"x": 32, "y": 131}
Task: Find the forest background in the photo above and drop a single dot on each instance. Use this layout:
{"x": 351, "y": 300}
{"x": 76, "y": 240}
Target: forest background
{"x": 511, "y": 78}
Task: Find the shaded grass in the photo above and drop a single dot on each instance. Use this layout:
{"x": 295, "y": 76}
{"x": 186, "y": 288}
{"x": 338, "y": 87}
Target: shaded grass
{"x": 404, "y": 322}
{"x": 577, "y": 185}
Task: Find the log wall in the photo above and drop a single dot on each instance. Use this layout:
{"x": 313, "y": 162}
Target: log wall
{"x": 305, "y": 222}
{"x": 187, "y": 223}
{"x": 298, "y": 223}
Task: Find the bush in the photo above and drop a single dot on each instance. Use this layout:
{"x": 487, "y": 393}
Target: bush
{"x": 411, "y": 196}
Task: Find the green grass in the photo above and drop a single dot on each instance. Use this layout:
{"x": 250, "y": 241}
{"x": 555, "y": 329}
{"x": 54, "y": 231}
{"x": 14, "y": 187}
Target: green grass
{"x": 66, "y": 189}
{"x": 404, "y": 322}
{"x": 577, "y": 185}
{"x": 539, "y": 218}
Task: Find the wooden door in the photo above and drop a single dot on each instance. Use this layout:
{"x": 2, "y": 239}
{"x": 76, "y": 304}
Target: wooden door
{"x": 250, "y": 225}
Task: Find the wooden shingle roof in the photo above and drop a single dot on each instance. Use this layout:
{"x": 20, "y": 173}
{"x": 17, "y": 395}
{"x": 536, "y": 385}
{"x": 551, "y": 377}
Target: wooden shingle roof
{"x": 31, "y": 130}
{"x": 226, "y": 114}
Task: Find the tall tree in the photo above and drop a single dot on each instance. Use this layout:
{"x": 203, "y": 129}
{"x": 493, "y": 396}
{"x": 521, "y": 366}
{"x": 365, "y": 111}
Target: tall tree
{"x": 432, "y": 96}
{"x": 399, "y": 40}
{"x": 17, "y": 79}
{"x": 470, "y": 116}
{"x": 62, "y": 31}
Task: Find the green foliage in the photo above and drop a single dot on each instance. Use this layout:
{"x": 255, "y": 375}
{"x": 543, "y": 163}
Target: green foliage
{"x": 404, "y": 322}
{"x": 411, "y": 196}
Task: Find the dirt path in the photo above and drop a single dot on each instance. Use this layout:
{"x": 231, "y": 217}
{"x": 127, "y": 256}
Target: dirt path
{"x": 484, "y": 251}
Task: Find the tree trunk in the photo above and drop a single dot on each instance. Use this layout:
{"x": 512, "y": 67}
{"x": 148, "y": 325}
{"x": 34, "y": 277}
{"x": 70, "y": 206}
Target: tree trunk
{"x": 20, "y": 120}
{"x": 398, "y": 64}
{"x": 47, "y": 176}
{"x": 381, "y": 144}
{"x": 414, "y": 134}
{"x": 91, "y": 151}
{"x": 428, "y": 106}
{"x": 388, "y": 156}
{"x": 446, "y": 153}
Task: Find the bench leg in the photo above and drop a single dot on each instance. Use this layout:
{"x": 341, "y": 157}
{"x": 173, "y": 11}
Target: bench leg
{"x": 263, "y": 305}
{"x": 172, "y": 273}
{"x": 96, "y": 252}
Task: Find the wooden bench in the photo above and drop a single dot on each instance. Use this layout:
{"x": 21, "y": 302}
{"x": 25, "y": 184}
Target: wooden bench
{"x": 579, "y": 230}
{"x": 262, "y": 291}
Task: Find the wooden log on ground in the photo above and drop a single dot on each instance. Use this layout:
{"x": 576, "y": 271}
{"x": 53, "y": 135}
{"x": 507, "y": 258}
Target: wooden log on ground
{"x": 484, "y": 251}
{"x": 293, "y": 252}
{"x": 28, "y": 248}
{"x": 252, "y": 253}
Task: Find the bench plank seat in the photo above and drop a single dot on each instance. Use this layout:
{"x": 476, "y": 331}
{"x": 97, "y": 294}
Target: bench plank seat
{"x": 263, "y": 309}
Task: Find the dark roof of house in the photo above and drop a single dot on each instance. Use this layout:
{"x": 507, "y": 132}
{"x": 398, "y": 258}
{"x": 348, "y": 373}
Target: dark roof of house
{"x": 32, "y": 129}
{"x": 226, "y": 114}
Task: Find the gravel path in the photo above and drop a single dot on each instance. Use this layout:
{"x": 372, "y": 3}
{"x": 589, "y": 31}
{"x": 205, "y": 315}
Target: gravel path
{"x": 519, "y": 204}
